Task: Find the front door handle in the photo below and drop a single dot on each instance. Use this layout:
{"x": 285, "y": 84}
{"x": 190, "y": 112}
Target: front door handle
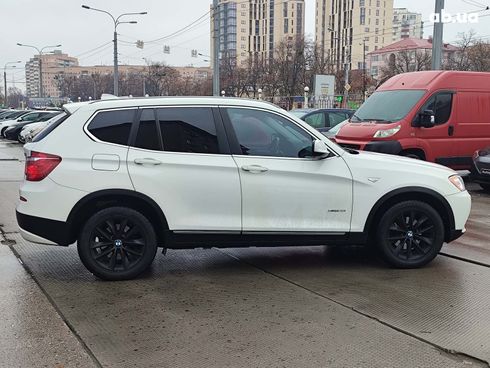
{"x": 255, "y": 169}
{"x": 450, "y": 130}
{"x": 146, "y": 161}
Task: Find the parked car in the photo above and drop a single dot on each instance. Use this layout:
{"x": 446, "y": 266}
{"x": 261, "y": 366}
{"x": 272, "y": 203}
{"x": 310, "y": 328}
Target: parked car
{"x": 323, "y": 119}
{"x": 123, "y": 177}
{"x": 332, "y": 132}
{"x": 29, "y": 117}
{"x": 31, "y": 130}
{"x": 480, "y": 170}
{"x": 13, "y": 131}
{"x": 12, "y": 115}
{"x": 438, "y": 116}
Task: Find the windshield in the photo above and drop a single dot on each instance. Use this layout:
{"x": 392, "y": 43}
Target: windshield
{"x": 387, "y": 106}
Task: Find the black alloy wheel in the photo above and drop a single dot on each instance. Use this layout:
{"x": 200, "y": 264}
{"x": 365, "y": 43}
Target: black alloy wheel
{"x": 117, "y": 243}
{"x": 410, "y": 234}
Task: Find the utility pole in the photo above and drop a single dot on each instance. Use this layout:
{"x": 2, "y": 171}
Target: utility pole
{"x": 5, "y": 94}
{"x": 40, "y": 52}
{"x": 437, "y": 37}
{"x": 364, "y": 69}
{"x": 346, "y": 77}
{"x": 116, "y": 65}
{"x": 216, "y": 44}
{"x": 117, "y": 22}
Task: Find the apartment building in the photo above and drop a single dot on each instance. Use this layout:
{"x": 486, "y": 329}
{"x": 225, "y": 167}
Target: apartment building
{"x": 253, "y": 29}
{"x": 407, "y": 24}
{"x": 413, "y": 50}
{"x": 346, "y": 30}
{"x": 45, "y": 65}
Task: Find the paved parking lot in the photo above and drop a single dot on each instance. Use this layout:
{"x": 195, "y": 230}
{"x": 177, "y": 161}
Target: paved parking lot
{"x": 268, "y": 307}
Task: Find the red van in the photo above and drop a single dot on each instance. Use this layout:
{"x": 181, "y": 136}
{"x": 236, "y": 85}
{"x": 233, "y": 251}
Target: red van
{"x": 438, "y": 116}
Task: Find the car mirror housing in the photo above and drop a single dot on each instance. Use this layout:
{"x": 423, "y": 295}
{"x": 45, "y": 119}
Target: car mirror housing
{"x": 427, "y": 119}
{"x": 320, "y": 149}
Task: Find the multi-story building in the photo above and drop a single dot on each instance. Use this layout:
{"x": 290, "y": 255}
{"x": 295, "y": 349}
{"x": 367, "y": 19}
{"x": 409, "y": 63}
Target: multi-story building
{"x": 407, "y": 24}
{"x": 255, "y": 28}
{"x": 45, "y": 65}
{"x": 56, "y": 64}
{"x": 415, "y": 51}
{"x": 348, "y": 29}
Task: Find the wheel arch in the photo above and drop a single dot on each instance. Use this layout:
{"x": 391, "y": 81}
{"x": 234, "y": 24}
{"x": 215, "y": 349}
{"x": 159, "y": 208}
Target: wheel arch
{"x": 417, "y": 151}
{"x": 96, "y": 201}
{"x": 429, "y": 196}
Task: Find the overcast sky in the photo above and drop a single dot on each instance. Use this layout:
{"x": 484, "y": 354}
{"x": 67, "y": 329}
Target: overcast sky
{"x": 50, "y": 22}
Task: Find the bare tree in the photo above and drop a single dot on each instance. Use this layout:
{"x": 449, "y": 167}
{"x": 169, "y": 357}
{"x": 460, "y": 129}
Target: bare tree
{"x": 407, "y": 61}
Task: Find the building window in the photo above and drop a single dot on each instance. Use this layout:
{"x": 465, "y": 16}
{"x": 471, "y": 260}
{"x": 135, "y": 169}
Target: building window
{"x": 377, "y": 12}
{"x": 286, "y": 25}
{"x": 363, "y": 16}
{"x": 377, "y": 3}
{"x": 366, "y": 29}
{"x": 377, "y": 21}
{"x": 285, "y": 10}
{"x": 376, "y": 39}
{"x": 362, "y": 3}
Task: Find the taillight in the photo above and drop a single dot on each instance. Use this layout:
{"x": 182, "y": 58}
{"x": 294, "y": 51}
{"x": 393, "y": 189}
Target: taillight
{"x": 39, "y": 165}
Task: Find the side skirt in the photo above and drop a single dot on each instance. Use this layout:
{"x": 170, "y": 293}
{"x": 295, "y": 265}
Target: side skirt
{"x": 183, "y": 240}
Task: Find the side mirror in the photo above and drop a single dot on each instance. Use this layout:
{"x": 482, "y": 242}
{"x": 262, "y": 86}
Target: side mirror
{"x": 320, "y": 149}
{"x": 427, "y": 119}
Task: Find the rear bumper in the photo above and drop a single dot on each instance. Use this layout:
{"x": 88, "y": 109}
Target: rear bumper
{"x": 42, "y": 230}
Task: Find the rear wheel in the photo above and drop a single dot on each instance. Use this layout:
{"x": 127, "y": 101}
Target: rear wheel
{"x": 410, "y": 234}
{"x": 117, "y": 243}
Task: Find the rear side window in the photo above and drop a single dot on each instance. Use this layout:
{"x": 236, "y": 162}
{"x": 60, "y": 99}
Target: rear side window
{"x": 112, "y": 126}
{"x": 148, "y": 137}
{"x": 188, "y": 129}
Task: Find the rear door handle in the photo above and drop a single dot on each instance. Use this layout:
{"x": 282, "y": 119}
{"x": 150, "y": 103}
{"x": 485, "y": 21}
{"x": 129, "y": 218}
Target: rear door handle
{"x": 146, "y": 161}
{"x": 255, "y": 169}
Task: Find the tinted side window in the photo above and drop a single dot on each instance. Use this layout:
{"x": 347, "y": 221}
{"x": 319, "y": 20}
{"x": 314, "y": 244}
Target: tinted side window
{"x": 261, "y": 133}
{"x": 112, "y": 126}
{"x": 316, "y": 120}
{"x": 441, "y": 105}
{"x": 336, "y": 118}
{"x": 188, "y": 129}
{"x": 148, "y": 137}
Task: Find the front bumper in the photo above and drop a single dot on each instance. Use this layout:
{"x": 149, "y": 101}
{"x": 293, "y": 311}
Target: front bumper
{"x": 480, "y": 172}
{"x": 460, "y": 204}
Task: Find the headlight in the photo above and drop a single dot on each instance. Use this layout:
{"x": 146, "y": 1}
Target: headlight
{"x": 387, "y": 133}
{"x": 458, "y": 182}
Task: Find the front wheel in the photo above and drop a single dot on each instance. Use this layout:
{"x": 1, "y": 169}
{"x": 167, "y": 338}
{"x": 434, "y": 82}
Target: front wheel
{"x": 117, "y": 243}
{"x": 410, "y": 234}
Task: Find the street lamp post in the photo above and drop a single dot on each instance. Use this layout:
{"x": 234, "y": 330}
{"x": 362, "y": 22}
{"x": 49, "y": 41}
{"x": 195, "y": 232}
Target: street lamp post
{"x": 5, "y": 79}
{"x": 117, "y": 22}
{"x": 40, "y": 52}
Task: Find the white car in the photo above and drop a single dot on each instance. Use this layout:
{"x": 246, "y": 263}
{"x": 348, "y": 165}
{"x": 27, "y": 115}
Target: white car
{"x": 31, "y": 130}
{"x": 30, "y": 116}
{"x": 123, "y": 177}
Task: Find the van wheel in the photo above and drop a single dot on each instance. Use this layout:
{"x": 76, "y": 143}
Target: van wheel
{"x": 412, "y": 155}
{"x": 410, "y": 234}
{"x": 486, "y": 187}
{"x": 117, "y": 243}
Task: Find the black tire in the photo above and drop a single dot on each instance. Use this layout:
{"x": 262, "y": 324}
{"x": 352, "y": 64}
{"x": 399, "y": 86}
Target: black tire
{"x": 20, "y": 139}
{"x": 410, "y": 234}
{"x": 486, "y": 187}
{"x": 412, "y": 155}
{"x": 117, "y": 243}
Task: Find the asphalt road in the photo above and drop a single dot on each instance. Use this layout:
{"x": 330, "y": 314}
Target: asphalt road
{"x": 267, "y": 307}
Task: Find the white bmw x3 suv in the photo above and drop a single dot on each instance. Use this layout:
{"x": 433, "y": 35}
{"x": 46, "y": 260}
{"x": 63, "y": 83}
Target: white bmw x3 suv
{"x": 123, "y": 177}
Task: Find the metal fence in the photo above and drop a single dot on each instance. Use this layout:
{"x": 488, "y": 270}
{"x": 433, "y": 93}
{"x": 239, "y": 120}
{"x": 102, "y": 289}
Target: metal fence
{"x": 323, "y": 102}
